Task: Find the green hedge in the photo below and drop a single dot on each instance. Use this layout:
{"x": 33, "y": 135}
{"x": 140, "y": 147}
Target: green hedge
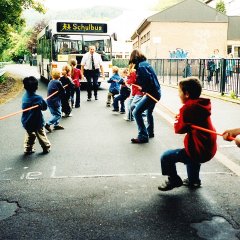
{"x": 120, "y": 62}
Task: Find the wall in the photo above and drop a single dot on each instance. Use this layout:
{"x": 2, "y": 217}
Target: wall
{"x": 199, "y": 39}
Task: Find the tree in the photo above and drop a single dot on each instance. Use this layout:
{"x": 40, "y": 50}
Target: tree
{"x": 32, "y": 40}
{"x": 220, "y": 7}
{"x": 11, "y": 18}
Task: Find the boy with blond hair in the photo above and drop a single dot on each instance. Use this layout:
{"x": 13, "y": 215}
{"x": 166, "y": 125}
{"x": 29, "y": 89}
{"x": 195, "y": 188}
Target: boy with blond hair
{"x": 54, "y": 102}
{"x": 125, "y": 92}
{"x": 114, "y": 85}
{"x": 69, "y": 86}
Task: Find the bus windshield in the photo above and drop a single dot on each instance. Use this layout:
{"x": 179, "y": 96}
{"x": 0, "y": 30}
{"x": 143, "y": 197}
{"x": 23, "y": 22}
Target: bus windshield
{"x": 79, "y": 44}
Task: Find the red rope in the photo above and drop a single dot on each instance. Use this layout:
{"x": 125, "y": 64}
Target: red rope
{"x": 192, "y": 126}
{"x": 30, "y": 108}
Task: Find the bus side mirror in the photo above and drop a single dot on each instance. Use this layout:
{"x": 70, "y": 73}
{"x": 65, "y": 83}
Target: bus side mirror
{"x": 114, "y": 36}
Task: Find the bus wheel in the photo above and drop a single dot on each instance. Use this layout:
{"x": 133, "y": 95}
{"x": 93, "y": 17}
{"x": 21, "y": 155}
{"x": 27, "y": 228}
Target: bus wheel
{"x": 42, "y": 78}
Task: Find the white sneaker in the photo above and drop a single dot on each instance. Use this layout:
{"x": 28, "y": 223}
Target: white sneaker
{"x": 69, "y": 115}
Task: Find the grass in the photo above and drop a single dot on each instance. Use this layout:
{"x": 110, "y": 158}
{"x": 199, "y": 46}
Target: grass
{"x": 10, "y": 86}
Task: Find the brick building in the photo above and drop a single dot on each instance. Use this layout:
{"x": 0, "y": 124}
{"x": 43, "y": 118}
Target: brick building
{"x": 191, "y": 26}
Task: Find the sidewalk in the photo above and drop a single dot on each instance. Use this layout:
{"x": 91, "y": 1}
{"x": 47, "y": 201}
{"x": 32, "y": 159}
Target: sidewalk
{"x": 220, "y": 104}
{"x": 211, "y": 94}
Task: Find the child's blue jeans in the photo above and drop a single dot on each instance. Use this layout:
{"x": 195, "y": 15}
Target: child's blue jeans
{"x": 56, "y": 113}
{"x": 171, "y": 157}
{"x": 121, "y": 99}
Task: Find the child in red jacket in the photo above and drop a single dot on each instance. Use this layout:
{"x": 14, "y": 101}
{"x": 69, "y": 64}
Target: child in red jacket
{"x": 199, "y": 146}
{"x": 76, "y": 77}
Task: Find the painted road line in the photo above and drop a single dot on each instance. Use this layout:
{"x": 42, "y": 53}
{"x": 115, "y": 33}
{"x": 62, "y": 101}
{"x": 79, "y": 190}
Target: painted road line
{"x": 228, "y": 163}
{"x": 227, "y": 146}
{"x": 40, "y": 175}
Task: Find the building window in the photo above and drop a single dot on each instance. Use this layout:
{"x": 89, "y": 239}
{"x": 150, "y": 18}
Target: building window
{"x": 148, "y": 36}
{"x": 235, "y": 50}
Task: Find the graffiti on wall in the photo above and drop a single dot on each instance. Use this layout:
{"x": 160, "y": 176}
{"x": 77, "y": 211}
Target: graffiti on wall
{"x": 178, "y": 53}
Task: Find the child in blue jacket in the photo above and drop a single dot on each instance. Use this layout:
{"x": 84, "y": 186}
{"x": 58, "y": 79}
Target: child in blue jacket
{"x": 56, "y": 93}
{"x": 32, "y": 120}
{"x": 125, "y": 92}
{"x": 114, "y": 87}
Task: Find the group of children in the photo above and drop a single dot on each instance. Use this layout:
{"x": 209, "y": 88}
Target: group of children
{"x": 118, "y": 90}
{"x": 61, "y": 99}
{"x": 199, "y": 146}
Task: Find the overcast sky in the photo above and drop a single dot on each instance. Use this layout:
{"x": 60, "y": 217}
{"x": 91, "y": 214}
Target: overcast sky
{"x": 128, "y": 4}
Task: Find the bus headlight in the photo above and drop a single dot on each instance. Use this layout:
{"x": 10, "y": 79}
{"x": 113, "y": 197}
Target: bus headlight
{"x": 106, "y": 74}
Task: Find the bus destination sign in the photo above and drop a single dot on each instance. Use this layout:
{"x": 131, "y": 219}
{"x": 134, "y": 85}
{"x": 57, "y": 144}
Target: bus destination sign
{"x": 81, "y": 27}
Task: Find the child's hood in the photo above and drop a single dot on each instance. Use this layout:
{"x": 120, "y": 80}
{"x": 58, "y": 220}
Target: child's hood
{"x": 200, "y": 106}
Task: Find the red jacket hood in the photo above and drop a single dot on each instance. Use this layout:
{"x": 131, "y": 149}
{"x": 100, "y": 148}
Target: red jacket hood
{"x": 200, "y": 146}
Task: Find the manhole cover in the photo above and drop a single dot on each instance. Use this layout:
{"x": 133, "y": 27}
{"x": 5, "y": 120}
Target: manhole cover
{"x": 7, "y": 209}
{"x": 216, "y": 229}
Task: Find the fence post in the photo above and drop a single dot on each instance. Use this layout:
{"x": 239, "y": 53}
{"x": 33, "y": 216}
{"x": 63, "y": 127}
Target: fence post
{"x": 223, "y": 76}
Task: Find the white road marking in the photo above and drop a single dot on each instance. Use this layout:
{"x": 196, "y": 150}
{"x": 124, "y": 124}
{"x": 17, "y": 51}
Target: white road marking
{"x": 36, "y": 175}
{"x": 227, "y": 146}
{"x": 33, "y": 175}
{"x": 228, "y": 163}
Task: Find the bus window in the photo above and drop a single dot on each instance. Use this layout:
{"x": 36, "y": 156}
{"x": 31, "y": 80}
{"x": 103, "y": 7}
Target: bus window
{"x": 85, "y": 49}
{"x": 105, "y": 57}
{"x": 65, "y": 49}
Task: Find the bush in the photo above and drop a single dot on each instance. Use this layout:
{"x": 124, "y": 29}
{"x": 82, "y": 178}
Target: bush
{"x": 2, "y": 79}
{"x": 233, "y": 94}
{"x": 120, "y": 62}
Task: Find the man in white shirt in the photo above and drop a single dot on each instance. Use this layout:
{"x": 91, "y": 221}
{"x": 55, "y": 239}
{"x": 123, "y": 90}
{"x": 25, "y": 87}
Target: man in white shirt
{"x": 91, "y": 65}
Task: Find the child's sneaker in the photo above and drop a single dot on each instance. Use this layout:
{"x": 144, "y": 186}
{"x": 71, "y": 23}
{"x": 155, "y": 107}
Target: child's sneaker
{"x": 122, "y": 112}
{"x": 192, "y": 184}
{"x": 170, "y": 184}
{"x": 46, "y": 150}
{"x": 108, "y": 105}
{"x": 47, "y": 126}
{"x": 151, "y": 135}
{"x": 28, "y": 151}
{"x": 58, "y": 127}
{"x": 115, "y": 110}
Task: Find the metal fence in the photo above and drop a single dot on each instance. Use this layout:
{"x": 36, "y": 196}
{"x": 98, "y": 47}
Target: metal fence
{"x": 219, "y": 75}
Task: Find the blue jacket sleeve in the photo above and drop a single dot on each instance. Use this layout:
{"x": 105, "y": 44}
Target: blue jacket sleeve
{"x": 43, "y": 105}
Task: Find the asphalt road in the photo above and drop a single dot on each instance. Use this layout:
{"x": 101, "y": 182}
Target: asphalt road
{"x": 95, "y": 184}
